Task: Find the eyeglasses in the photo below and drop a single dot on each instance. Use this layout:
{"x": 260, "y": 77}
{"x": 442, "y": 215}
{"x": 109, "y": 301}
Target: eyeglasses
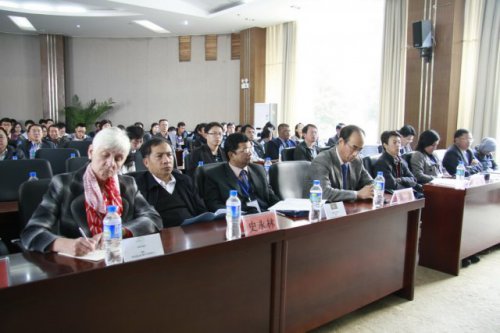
{"x": 214, "y": 134}
{"x": 246, "y": 151}
{"x": 354, "y": 148}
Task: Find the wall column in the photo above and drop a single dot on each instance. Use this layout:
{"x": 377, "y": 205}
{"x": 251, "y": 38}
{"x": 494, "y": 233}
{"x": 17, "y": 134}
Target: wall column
{"x": 52, "y": 67}
{"x": 432, "y": 89}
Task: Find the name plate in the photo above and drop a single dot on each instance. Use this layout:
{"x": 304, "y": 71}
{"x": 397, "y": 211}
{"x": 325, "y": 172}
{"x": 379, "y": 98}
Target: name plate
{"x": 476, "y": 180}
{"x": 333, "y": 210}
{"x": 402, "y": 196}
{"x": 142, "y": 247}
{"x": 255, "y": 224}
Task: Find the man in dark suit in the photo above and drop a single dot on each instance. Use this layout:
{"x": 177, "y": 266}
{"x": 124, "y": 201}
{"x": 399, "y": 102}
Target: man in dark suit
{"x": 257, "y": 149}
{"x": 170, "y": 192}
{"x": 460, "y": 151}
{"x": 335, "y": 139}
{"x": 307, "y": 150}
{"x": 238, "y": 174}
{"x": 340, "y": 170}
{"x": 274, "y": 147}
{"x": 34, "y": 141}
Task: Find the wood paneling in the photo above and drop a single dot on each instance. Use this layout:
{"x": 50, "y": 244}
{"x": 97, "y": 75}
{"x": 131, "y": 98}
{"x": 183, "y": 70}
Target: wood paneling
{"x": 52, "y": 74}
{"x": 184, "y": 48}
{"x": 235, "y": 46}
{"x": 210, "y": 47}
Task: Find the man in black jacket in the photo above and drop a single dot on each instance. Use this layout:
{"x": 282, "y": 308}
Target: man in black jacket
{"x": 171, "y": 193}
{"x": 307, "y": 150}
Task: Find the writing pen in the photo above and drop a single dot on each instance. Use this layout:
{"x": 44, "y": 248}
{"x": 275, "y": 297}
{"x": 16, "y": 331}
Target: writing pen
{"x": 83, "y": 233}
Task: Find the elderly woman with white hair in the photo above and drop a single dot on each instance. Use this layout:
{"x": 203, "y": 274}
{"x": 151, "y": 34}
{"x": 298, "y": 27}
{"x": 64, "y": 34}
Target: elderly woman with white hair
{"x": 79, "y": 200}
{"x": 484, "y": 153}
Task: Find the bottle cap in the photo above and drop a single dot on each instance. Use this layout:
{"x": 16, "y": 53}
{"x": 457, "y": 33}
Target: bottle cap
{"x": 112, "y": 209}
{"x": 32, "y": 174}
{"x": 316, "y": 182}
{"x": 268, "y": 159}
{"x": 380, "y": 173}
{"x": 233, "y": 193}
{"x": 200, "y": 163}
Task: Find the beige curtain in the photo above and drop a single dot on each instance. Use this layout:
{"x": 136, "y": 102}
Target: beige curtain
{"x": 280, "y": 69}
{"x": 393, "y": 66}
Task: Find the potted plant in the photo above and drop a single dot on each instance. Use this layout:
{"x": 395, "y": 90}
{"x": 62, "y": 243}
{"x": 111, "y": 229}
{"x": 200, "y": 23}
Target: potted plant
{"x": 88, "y": 114}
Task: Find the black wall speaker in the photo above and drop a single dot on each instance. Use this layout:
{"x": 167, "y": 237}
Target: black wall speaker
{"x": 422, "y": 34}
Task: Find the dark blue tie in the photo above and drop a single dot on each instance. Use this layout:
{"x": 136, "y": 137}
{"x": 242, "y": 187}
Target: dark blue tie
{"x": 244, "y": 183}
{"x": 345, "y": 170}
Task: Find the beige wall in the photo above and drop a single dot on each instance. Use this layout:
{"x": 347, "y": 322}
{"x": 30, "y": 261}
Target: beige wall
{"x": 146, "y": 79}
{"x": 20, "y": 78}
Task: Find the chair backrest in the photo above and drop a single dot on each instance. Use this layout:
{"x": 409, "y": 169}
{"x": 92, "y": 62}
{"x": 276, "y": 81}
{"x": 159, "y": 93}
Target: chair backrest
{"x": 407, "y": 158}
{"x": 369, "y": 162}
{"x": 139, "y": 164}
{"x": 81, "y": 146}
{"x": 287, "y": 154}
{"x": 287, "y": 178}
{"x": 57, "y": 157}
{"x": 199, "y": 176}
{"x": 30, "y": 196}
{"x": 14, "y": 173}
{"x": 73, "y": 164}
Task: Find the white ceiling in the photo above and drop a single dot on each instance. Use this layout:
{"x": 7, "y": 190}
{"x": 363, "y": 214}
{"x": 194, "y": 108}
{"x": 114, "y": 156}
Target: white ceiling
{"x": 103, "y": 18}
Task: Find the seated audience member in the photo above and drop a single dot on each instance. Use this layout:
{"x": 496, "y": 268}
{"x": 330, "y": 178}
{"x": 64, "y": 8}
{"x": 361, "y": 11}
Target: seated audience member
{"x": 238, "y": 174}
{"x": 396, "y": 172}
{"x": 231, "y": 128}
{"x": 460, "y": 151}
{"x": 199, "y": 136}
{"x": 340, "y": 169}
{"x": 163, "y": 129}
{"x": 135, "y": 135}
{"x": 265, "y": 136}
{"x": 257, "y": 149}
{"x": 105, "y": 123}
{"x": 49, "y": 122}
{"x": 17, "y": 132}
{"x": 307, "y": 150}
{"x": 335, "y": 139}
{"x": 172, "y": 194}
{"x": 34, "y": 141}
{"x": 97, "y": 126}
{"x": 153, "y": 131}
{"x": 139, "y": 124}
{"x": 172, "y": 137}
{"x": 79, "y": 134}
{"x": 55, "y": 138}
{"x": 425, "y": 164}
{"x": 211, "y": 152}
{"x": 298, "y": 136}
{"x": 407, "y": 134}
{"x": 6, "y": 124}
{"x": 79, "y": 200}
{"x": 181, "y": 135}
{"x": 6, "y": 151}
{"x": 27, "y": 125}
{"x": 45, "y": 132}
{"x": 274, "y": 147}
{"x": 484, "y": 153}
{"x": 62, "y": 130}
{"x": 237, "y": 129}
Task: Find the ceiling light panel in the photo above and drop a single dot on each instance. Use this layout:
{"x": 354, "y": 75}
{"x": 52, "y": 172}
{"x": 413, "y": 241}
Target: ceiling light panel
{"x": 23, "y": 23}
{"x": 151, "y": 26}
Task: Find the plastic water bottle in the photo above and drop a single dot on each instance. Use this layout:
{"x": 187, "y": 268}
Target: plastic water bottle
{"x": 185, "y": 154}
{"x": 32, "y": 176}
{"x": 315, "y": 195}
{"x": 32, "y": 152}
{"x": 200, "y": 163}
{"x": 233, "y": 215}
{"x": 460, "y": 175}
{"x": 378, "y": 191}
{"x": 112, "y": 236}
{"x": 267, "y": 165}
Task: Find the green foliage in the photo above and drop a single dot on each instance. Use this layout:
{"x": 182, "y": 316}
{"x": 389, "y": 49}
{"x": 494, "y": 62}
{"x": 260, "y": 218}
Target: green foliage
{"x": 88, "y": 114}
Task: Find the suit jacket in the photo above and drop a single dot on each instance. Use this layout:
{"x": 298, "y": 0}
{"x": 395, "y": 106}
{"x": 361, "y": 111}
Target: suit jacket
{"x": 26, "y": 145}
{"x": 326, "y": 167}
{"x": 204, "y": 154}
{"x": 302, "y": 152}
{"x": 151, "y": 191}
{"x": 11, "y": 151}
{"x": 453, "y": 155}
{"x": 62, "y": 212}
{"x": 273, "y": 147}
{"x": 423, "y": 167}
{"x": 387, "y": 165}
{"x": 221, "y": 179}
{"x": 333, "y": 141}
{"x": 259, "y": 150}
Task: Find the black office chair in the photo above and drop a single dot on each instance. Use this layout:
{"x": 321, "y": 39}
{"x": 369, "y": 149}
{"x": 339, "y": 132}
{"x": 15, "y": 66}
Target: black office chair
{"x": 3, "y": 248}
{"x": 30, "y": 197}
{"x": 81, "y": 146}
{"x": 287, "y": 154}
{"x": 369, "y": 162}
{"x": 199, "y": 176}
{"x": 73, "y": 164}
{"x": 14, "y": 173}
{"x": 407, "y": 158}
{"x": 57, "y": 157}
{"x": 139, "y": 164}
{"x": 287, "y": 178}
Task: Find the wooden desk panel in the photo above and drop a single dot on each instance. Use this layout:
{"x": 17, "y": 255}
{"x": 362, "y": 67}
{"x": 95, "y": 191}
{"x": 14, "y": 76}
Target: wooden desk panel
{"x": 457, "y": 224}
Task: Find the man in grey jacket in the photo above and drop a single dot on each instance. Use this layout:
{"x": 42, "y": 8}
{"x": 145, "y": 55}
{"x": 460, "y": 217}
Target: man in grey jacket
{"x": 340, "y": 170}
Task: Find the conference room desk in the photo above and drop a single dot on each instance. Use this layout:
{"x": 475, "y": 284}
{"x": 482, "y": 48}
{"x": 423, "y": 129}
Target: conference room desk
{"x": 9, "y": 225}
{"x": 290, "y": 280}
{"x": 457, "y": 223}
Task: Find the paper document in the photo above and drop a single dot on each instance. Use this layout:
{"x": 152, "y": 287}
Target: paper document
{"x": 96, "y": 255}
{"x": 293, "y": 204}
{"x": 449, "y": 182}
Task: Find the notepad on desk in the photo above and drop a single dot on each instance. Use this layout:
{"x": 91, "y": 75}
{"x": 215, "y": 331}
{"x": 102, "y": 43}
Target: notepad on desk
{"x": 96, "y": 255}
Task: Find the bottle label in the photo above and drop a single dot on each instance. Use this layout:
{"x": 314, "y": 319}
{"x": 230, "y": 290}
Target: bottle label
{"x": 315, "y": 197}
{"x": 379, "y": 186}
{"x": 112, "y": 231}
{"x": 232, "y": 211}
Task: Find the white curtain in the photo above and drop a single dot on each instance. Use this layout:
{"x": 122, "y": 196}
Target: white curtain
{"x": 392, "y": 88}
{"x": 280, "y": 69}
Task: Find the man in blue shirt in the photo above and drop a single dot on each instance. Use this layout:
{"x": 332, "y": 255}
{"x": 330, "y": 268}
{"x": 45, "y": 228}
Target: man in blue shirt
{"x": 274, "y": 147}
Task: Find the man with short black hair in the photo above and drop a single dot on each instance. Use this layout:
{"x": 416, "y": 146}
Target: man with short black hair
{"x": 135, "y": 135}
{"x": 170, "y": 192}
{"x": 239, "y": 174}
{"x": 307, "y": 150}
{"x": 34, "y": 141}
{"x": 335, "y": 139}
{"x": 257, "y": 149}
{"x": 340, "y": 169}
{"x": 54, "y": 137}
{"x": 274, "y": 147}
{"x": 79, "y": 134}
{"x": 460, "y": 152}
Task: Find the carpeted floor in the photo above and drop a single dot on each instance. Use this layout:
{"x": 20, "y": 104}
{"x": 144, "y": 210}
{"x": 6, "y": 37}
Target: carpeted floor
{"x": 469, "y": 302}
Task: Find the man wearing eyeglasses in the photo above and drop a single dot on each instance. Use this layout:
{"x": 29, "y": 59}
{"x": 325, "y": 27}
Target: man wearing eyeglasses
{"x": 340, "y": 169}
{"x": 210, "y": 152}
{"x": 238, "y": 174}
{"x": 460, "y": 151}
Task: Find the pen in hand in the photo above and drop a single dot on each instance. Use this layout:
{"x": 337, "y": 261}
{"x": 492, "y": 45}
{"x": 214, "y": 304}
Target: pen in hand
{"x": 85, "y": 236}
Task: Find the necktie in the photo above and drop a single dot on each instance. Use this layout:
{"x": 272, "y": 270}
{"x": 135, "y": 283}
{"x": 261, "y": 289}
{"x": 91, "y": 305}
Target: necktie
{"x": 345, "y": 170}
{"x": 244, "y": 183}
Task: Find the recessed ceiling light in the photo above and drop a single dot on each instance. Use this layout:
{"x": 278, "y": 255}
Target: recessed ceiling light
{"x": 186, "y": 22}
{"x": 78, "y": 26}
{"x": 151, "y": 26}
{"x": 22, "y": 23}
